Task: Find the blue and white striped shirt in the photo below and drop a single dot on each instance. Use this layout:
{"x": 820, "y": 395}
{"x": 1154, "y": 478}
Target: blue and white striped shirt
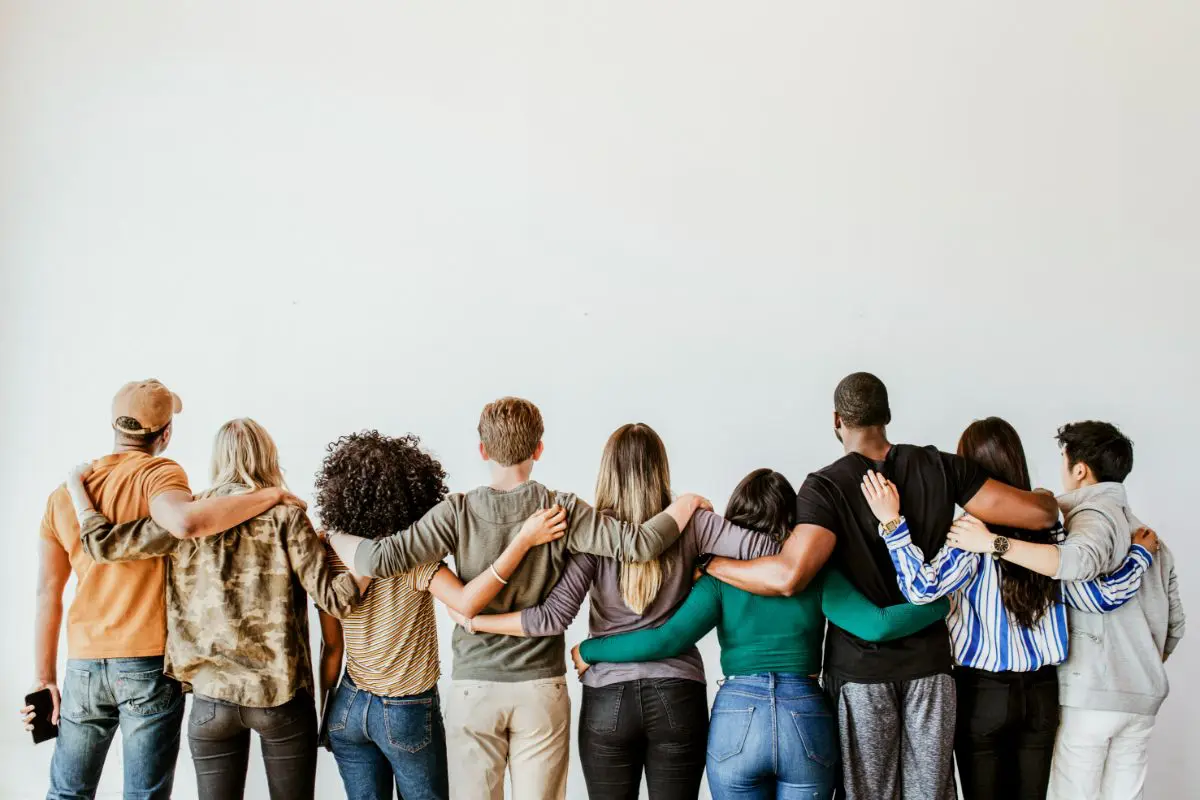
{"x": 983, "y": 634}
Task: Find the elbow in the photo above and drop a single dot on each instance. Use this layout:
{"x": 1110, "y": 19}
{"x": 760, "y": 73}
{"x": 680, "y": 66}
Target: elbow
{"x": 789, "y": 582}
{"x": 1049, "y": 513}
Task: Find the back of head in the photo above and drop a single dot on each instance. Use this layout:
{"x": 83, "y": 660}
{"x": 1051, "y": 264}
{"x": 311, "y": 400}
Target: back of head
{"x": 510, "y": 429}
{"x": 995, "y": 445}
{"x": 1101, "y": 446}
{"x": 142, "y": 412}
{"x": 373, "y": 485}
{"x": 633, "y": 485}
{"x": 764, "y": 501}
{"x": 245, "y": 454}
{"x": 861, "y": 401}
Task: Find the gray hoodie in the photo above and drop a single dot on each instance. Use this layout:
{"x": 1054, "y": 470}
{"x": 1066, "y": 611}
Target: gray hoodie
{"x": 1116, "y": 659}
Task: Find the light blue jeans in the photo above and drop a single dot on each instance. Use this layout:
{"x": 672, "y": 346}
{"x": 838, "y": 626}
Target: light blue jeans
{"x": 99, "y": 695}
{"x": 772, "y": 736}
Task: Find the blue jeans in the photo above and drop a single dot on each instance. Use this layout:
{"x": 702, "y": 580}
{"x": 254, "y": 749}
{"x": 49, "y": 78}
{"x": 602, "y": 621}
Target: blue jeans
{"x": 97, "y": 696}
{"x": 378, "y": 741}
{"x": 772, "y": 736}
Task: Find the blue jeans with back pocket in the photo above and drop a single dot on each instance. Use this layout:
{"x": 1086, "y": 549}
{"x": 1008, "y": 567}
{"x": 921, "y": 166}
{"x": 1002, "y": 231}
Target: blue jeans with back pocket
{"x": 97, "y": 696}
{"x": 772, "y": 736}
{"x": 378, "y": 741}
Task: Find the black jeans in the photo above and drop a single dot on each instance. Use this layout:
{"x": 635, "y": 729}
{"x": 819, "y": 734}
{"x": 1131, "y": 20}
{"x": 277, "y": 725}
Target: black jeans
{"x": 219, "y": 734}
{"x": 1005, "y": 737}
{"x": 659, "y": 724}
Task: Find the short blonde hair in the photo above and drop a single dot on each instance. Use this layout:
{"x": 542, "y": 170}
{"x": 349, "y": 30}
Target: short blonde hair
{"x": 510, "y": 429}
{"x": 244, "y": 453}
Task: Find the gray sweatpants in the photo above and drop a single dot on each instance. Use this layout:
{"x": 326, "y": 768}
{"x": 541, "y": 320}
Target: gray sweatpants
{"x": 897, "y": 738}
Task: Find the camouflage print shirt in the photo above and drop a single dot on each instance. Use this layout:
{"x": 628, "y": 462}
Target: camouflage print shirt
{"x": 237, "y": 614}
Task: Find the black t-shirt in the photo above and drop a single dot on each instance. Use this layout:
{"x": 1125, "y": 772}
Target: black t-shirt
{"x": 931, "y": 483}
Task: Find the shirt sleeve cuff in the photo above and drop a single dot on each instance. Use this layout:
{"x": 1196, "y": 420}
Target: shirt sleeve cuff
{"x": 899, "y": 538}
{"x": 1142, "y": 555}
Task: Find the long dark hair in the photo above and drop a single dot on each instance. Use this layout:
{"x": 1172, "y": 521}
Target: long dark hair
{"x": 994, "y": 445}
{"x": 764, "y": 501}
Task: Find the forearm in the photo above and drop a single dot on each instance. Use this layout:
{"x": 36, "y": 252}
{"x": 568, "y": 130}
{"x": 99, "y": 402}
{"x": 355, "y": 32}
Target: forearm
{"x": 331, "y": 667}
{"x": 476, "y": 594}
{"x": 599, "y": 534}
{"x": 212, "y": 515}
{"x": 47, "y": 624}
{"x": 919, "y": 582}
{"x": 503, "y": 624}
{"x": 1040, "y": 558}
{"x": 804, "y": 554}
{"x": 770, "y": 576}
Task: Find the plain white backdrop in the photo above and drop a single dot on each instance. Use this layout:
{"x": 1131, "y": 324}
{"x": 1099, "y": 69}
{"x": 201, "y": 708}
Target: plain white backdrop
{"x": 698, "y": 215}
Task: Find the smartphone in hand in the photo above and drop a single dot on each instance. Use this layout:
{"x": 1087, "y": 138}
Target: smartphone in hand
{"x": 43, "y": 709}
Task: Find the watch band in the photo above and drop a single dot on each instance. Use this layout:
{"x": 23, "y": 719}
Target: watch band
{"x": 891, "y": 526}
{"x": 702, "y": 562}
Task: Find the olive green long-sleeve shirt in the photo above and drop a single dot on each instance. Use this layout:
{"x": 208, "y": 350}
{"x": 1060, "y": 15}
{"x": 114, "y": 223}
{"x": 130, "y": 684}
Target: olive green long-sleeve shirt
{"x": 237, "y": 609}
{"x": 475, "y": 528}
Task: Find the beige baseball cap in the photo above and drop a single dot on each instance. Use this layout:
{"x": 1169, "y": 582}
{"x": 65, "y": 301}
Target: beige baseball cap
{"x": 144, "y": 407}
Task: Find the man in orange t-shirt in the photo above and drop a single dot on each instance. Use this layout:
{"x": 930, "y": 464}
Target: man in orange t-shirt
{"x": 116, "y": 626}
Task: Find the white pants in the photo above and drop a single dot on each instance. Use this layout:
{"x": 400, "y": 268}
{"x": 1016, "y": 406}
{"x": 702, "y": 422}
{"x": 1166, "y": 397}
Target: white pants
{"x": 1100, "y": 755}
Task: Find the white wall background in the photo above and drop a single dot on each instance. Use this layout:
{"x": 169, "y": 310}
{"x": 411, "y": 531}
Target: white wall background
{"x": 695, "y": 214}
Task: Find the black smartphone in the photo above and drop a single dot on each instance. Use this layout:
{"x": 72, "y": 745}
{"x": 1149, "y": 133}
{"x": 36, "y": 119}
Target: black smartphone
{"x": 43, "y": 709}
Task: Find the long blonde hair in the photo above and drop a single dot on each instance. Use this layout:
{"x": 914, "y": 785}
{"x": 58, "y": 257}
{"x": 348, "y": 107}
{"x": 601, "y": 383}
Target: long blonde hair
{"x": 634, "y": 484}
{"x": 244, "y": 453}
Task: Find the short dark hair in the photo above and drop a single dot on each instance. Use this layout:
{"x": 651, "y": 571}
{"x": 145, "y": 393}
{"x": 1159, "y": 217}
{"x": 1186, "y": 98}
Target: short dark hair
{"x": 764, "y": 501}
{"x": 144, "y": 441}
{"x": 373, "y": 485}
{"x": 1099, "y": 445}
{"x": 861, "y": 400}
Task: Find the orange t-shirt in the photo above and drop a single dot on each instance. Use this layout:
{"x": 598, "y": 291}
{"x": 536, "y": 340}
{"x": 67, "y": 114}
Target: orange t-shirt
{"x": 119, "y": 610}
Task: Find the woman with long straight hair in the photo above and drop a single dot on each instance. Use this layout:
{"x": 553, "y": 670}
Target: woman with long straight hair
{"x": 772, "y": 733}
{"x": 237, "y": 619}
{"x": 1008, "y": 625}
{"x": 647, "y": 718}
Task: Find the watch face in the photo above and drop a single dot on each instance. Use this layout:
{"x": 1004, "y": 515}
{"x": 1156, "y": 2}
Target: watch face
{"x": 1000, "y": 545}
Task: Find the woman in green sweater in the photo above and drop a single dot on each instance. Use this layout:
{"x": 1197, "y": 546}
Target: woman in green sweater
{"x": 772, "y": 733}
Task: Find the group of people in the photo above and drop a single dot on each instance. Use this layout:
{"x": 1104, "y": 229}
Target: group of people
{"x": 871, "y": 635}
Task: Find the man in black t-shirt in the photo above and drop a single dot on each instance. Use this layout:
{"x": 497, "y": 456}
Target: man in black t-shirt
{"x": 895, "y": 701}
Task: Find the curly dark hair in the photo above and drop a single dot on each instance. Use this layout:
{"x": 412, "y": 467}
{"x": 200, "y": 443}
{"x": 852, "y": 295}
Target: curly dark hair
{"x": 373, "y": 485}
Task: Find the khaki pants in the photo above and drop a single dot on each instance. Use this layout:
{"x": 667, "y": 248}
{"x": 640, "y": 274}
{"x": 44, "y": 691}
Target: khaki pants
{"x": 525, "y": 725}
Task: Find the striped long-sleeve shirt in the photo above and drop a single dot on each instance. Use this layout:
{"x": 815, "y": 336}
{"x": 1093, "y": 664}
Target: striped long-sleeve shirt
{"x": 983, "y": 633}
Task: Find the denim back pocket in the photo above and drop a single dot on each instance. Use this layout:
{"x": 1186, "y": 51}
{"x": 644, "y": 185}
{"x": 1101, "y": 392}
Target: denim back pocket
{"x": 339, "y": 713}
{"x": 76, "y": 696}
{"x": 818, "y": 735}
{"x": 602, "y": 707}
{"x": 147, "y": 692}
{"x": 727, "y": 732}
{"x": 409, "y": 722}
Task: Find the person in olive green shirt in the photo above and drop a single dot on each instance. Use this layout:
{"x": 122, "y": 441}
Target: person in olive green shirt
{"x": 771, "y": 723}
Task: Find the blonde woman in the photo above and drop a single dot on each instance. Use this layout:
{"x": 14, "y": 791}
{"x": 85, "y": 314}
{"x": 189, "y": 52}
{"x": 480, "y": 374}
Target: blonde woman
{"x": 649, "y": 716}
{"x": 237, "y": 619}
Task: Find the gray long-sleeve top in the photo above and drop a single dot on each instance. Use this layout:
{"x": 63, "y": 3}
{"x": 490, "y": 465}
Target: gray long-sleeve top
{"x": 600, "y": 580}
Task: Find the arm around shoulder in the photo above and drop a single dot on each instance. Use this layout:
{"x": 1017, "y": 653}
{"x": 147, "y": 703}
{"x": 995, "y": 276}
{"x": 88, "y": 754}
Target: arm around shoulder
{"x": 804, "y": 553}
{"x": 1000, "y": 504}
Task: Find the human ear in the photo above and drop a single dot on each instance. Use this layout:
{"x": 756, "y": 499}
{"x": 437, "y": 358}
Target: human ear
{"x": 537, "y": 451}
{"x": 483, "y": 451}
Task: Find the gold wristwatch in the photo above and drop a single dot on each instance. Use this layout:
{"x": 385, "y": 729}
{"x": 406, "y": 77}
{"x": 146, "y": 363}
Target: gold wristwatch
{"x": 890, "y": 527}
